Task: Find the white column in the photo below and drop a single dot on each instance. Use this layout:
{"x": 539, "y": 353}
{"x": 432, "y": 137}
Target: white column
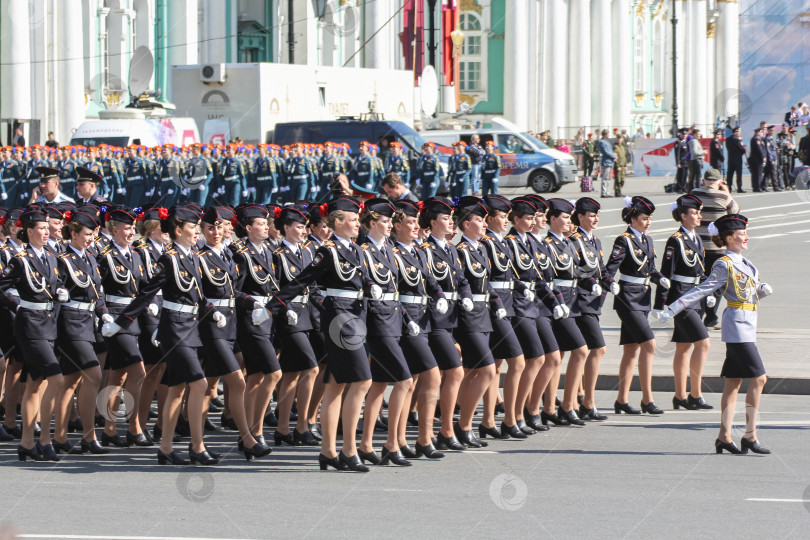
{"x": 42, "y": 47}
{"x": 15, "y": 58}
{"x": 711, "y": 71}
{"x": 515, "y": 71}
{"x": 623, "y": 64}
{"x": 601, "y": 64}
{"x": 579, "y": 74}
{"x": 556, "y": 100}
{"x": 213, "y": 50}
{"x": 727, "y": 36}
{"x": 377, "y": 53}
{"x": 684, "y": 56}
{"x": 181, "y": 32}
{"x": 697, "y": 65}
{"x": 70, "y": 68}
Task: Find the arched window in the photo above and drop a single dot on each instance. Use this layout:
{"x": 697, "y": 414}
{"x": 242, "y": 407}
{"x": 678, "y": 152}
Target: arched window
{"x": 638, "y": 55}
{"x": 659, "y": 58}
{"x": 472, "y": 53}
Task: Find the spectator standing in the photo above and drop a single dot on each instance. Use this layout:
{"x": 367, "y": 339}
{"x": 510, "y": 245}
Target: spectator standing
{"x": 756, "y": 161}
{"x": 792, "y": 117}
{"x": 716, "y": 157}
{"x": 696, "y": 154}
{"x": 736, "y": 153}
{"x": 476, "y": 154}
{"x": 679, "y": 151}
{"x": 717, "y": 201}
{"x": 51, "y": 142}
{"x": 588, "y": 155}
{"x": 579, "y": 142}
{"x": 606, "y": 161}
{"x": 771, "y": 162}
{"x": 620, "y": 167}
{"x": 19, "y": 139}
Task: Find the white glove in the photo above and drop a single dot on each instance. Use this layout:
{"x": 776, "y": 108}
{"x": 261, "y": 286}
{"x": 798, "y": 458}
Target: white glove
{"x": 614, "y": 288}
{"x": 185, "y": 191}
{"x": 413, "y": 328}
{"x": 656, "y": 313}
{"x": 120, "y": 191}
{"x": 220, "y": 319}
{"x": 3, "y": 196}
{"x": 109, "y": 329}
{"x": 107, "y": 318}
{"x": 152, "y": 309}
{"x": 154, "y": 340}
{"x": 500, "y": 314}
{"x": 244, "y": 193}
{"x": 252, "y": 190}
{"x": 171, "y": 192}
{"x": 528, "y": 295}
{"x": 664, "y": 283}
{"x": 596, "y": 290}
{"x": 124, "y": 191}
{"x": 467, "y": 304}
{"x": 711, "y": 301}
{"x": 764, "y": 289}
{"x": 666, "y": 316}
{"x": 442, "y": 306}
{"x": 376, "y": 292}
{"x": 566, "y": 310}
{"x": 62, "y": 294}
{"x": 292, "y": 318}
{"x": 150, "y": 192}
{"x": 259, "y": 315}
{"x": 558, "y": 312}
{"x": 313, "y": 189}
{"x": 201, "y": 188}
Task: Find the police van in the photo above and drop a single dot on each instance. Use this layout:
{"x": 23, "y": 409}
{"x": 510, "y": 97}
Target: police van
{"x": 525, "y": 161}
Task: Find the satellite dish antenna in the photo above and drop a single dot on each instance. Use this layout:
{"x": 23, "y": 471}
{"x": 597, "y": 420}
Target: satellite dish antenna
{"x": 429, "y": 91}
{"x": 141, "y": 68}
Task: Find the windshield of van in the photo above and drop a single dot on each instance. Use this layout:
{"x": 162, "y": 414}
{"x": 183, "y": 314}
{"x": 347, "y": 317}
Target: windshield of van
{"x": 535, "y": 142}
{"x": 95, "y": 141}
{"x": 510, "y": 143}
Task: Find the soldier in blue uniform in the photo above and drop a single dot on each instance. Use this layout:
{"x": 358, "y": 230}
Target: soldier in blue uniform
{"x": 11, "y": 176}
{"x": 330, "y": 167}
{"x": 299, "y": 175}
{"x": 459, "y": 170}
{"x": 757, "y": 159}
{"x": 264, "y": 172}
{"x": 397, "y": 162}
{"x": 137, "y": 178}
{"x": 67, "y": 174}
{"x": 683, "y": 265}
{"x": 743, "y": 289}
{"x": 429, "y": 173}
{"x": 490, "y": 170}
{"x": 232, "y": 181}
{"x": 167, "y": 169}
{"x": 198, "y": 175}
{"x": 633, "y": 255}
{"x": 362, "y": 174}
{"x": 112, "y": 186}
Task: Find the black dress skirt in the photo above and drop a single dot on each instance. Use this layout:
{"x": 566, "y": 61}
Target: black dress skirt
{"x": 742, "y": 361}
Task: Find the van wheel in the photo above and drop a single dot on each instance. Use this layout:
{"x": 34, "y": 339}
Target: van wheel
{"x": 541, "y": 181}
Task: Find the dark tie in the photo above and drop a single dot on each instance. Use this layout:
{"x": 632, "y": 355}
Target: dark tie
{"x": 45, "y": 263}
{"x": 224, "y": 256}
{"x": 128, "y": 257}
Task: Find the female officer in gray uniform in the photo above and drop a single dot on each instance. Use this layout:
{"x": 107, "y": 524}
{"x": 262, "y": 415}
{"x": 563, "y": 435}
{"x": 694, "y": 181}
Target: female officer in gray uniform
{"x": 739, "y": 279}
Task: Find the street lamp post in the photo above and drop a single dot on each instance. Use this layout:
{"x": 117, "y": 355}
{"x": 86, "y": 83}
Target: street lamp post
{"x": 291, "y": 30}
{"x": 457, "y": 37}
{"x": 674, "y": 70}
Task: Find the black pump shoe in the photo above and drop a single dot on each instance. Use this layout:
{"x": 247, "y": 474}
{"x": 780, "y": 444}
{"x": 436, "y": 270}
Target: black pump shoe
{"x": 428, "y": 451}
{"x": 316, "y": 433}
{"x": 555, "y": 419}
{"x": 228, "y": 423}
{"x": 393, "y": 457}
{"x": 75, "y": 426}
{"x": 47, "y": 452}
{"x": 60, "y": 447}
{"x": 625, "y": 408}
{"x": 172, "y": 458}
{"x": 24, "y": 453}
{"x": 754, "y": 446}
{"x": 256, "y": 451}
{"x": 651, "y": 408}
{"x": 114, "y": 440}
{"x": 92, "y": 447}
{"x": 325, "y": 462}
{"x": 203, "y": 458}
{"x": 352, "y": 463}
{"x": 511, "y": 432}
{"x": 493, "y": 432}
{"x": 371, "y": 457}
{"x": 591, "y": 414}
{"x": 729, "y": 447}
{"x": 521, "y": 424}
{"x": 678, "y": 403}
{"x": 570, "y": 417}
{"x": 468, "y": 437}
{"x": 304, "y": 439}
{"x": 534, "y": 421}
{"x": 138, "y": 440}
{"x": 698, "y": 403}
{"x": 279, "y": 439}
{"x": 448, "y": 443}
{"x": 408, "y": 452}
{"x": 211, "y": 453}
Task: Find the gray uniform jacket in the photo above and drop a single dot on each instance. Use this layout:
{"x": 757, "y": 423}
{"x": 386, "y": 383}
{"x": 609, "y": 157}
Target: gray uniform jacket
{"x": 744, "y": 286}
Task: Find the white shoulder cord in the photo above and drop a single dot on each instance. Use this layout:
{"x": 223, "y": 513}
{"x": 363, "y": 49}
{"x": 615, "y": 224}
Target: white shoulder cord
{"x": 518, "y": 262}
{"x": 344, "y": 276}
{"x": 689, "y": 262}
{"x": 286, "y": 266}
{"x": 380, "y": 278}
{"x": 501, "y": 267}
{"x": 588, "y": 263}
{"x": 39, "y": 287}
{"x": 207, "y": 271}
{"x": 115, "y": 275}
{"x": 411, "y": 282}
{"x": 558, "y": 266}
{"x": 480, "y": 274}
{"x": 184, "y": 286}
{"x": 76, "y": 280}
{"x": 633, "y": 253}
{"x": 431, "y": 263}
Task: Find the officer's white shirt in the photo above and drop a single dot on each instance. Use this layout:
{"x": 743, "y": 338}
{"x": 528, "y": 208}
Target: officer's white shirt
{"x": 342, "y": 241}
{"x": 587, "y": 234}
{"x": 158, "y": 246}
{"x": 690, "y": 235}
{"x": 218, "y": 251}
{"x": 37, "y": 252}
{"x": 124, "y": 251}
{"x": 439, "y": 242}
{"x": 53, "y": 243}
{"x": 59, "y": 198}
{"x": 181, "y": 249}
{"x": 293, "y": 247}
{"x": 79, "y": 252}
{"x": 557, "y": 236}
{"x": 15, "y": 246}
{"x": 472, "y": 243}
{"x": 636, "y": 233}
{"x": 407, "y": 247}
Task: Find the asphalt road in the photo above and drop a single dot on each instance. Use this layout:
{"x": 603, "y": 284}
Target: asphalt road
{"x": 640, "y": 477}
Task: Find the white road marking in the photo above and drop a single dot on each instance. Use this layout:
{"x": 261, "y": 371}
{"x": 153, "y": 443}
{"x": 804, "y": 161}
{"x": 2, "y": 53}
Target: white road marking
{"x": 766, "y": 236}
{"x": 108, "y": 537}
{"x": 799, "y": 232}
{"x": 755, "y": 499}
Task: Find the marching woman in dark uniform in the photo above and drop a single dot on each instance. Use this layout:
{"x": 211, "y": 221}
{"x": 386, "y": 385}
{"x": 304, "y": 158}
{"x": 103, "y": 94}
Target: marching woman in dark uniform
{"x": 536, "y": 418}
{"x": 474, "y": 327}
{"x": 76, "y": 335}
{"x": 8, "y": 341}
{"x": 218, "y": 273}
{"x": 741, "y": 285}
{"x": 503, "y": 339}
{"x": 34, "y": 274}
{"x": 339, "y": 268}
{"x": 443, "y": 262}
{"x": 299, "y": 364}
{"x": 565, "y": 262}
{"x": 254, "y": 261}
{"x": 634, "y": 256}
{"x": 683, "y": 265}
{"x": 589, "y": 306}
{"x": 122, "y": 276}
{"x": 384, "y": 321}
{"x": 527, "y": 310}
{"x": 150, "y": 248}
{"x": 415, "y": 283}
{"x": 178, "y": 276}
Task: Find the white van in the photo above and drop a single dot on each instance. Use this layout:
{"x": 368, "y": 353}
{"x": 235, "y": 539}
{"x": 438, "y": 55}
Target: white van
{"x": 149, "y": 132}
{"x": 525, "y": 161}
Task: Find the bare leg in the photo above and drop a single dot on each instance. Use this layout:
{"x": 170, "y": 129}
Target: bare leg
{"x": 196, "y": 398}
{"x": 171, "y": 411}
{"x": 727, "y": 405}
{"x": 491, "y": 397}
{"x": 396, "y": 406}
{"x": 696, "y": 364}
{"x": 645, "y": 362}
{"x": 752, "y": 398}
{"x": 286, "y": 397}
{"x": 591, "y": 375}
{"x": 150, "y": 384}
{"x": 510, "y": 388}
{"x": 550, "y": 365}
{"x": 573, "y": 377}
{"x": 236, "y": 397}
{"x": 315, "y": 400}
{"x": 477, "y": 382}
{"x": 448, "y": 398}
{"x": 32, "y": 397}
{"x": 302, "y": 396}
{"x": 352, "y": 405}
{"x": 263, "y": 395}
{"x": 627, "y": 367}
{"x": 680, "y": 369}
{"x": 12, "y": 396}
{"x": 330, "y": 414}
{"x": 426, "y": 403}
{"x": 550, "y": 391}
{"x": 372, "y": 409}
{"x": 55, "y": 383}
{"x": 63, "y": 404}
{"x": 88, "y": 392}
{"x": 530, "y": 372}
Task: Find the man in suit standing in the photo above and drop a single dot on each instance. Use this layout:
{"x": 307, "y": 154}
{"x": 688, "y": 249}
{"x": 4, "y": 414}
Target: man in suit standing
{"x": 396, "y": 190}
{"x": 756, "y": 161}
{"x": 736, "y": 152}
{"x": 716, "y": 157}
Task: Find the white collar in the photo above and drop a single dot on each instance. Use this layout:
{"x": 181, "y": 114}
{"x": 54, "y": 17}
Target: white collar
{"x": 536, "y": 236}
{"x": 472, "y": 243}
{"x": 80, "y": 253}
{"x": 158, "y": 245}
{"x": 293, "y": 247}
{"x": 407, "y": 247}
{"x": 259, "y": 247}
{"x": 439, "y": 242}
{"x": 182, "y": 250}
{"x": 37, "y": 252}
{"x": 587, "y": 234}
{"x": 53, "y": 243}
{"x": 15, "y": 245}
{"x": 557, "y": 236}
{"x": 218, "y": 251}
{"x": 377, "y": 245}
{"x": 343, "y": 241}
{"x": 496, "y": 235}
{"x": 636, "y": 233}
{"x": 735, "y": 257}
{"x": 123, "y": 250}
{"x": 691, "y": 235}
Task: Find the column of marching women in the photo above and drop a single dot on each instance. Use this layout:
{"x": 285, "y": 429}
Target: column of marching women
{"x": 333, "y": 307}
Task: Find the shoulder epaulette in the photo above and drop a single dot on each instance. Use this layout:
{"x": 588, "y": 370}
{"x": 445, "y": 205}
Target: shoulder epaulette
{"x": 425, "y": 245}
{"x": 724, "y": 258}
{"x": 171, "y": 251}
{"x": 365, "y": 247}
{"x": 576, "y": 234}
{"x": 486, "y": 237}
{"x": 625, "y": 234}
{"x": 106, "y": 249}
{"x": 64, "y": 255}
{"x": 279, "y": 251}
{"x": 329, "y": 244}
{"x": 548, "y": 240}
{"x": 21, "y": 254}
{"x": 510, "y": 236}
{"x": 677, "y": 234}
{"x": 306, "y": 244}
{"x": 395, "y": 249}
{"x": 461, "y": 245}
